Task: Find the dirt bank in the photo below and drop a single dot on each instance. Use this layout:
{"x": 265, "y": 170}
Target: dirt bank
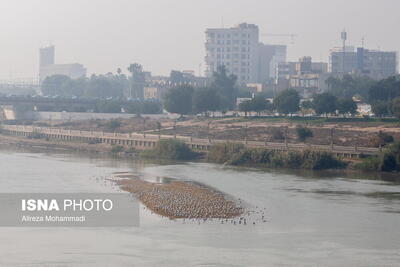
{"x": 18, "y": 141}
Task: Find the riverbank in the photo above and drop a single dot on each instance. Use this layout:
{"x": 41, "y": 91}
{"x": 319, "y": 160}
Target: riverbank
{"x": 22, "y": 142}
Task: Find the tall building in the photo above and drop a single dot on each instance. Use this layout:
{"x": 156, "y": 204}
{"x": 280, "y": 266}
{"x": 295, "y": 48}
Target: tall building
{"x": 373, "y": 63}
{"x": 241, "y": 52}
{"x": 270, "y": 56}
{"x": 47, "y": 66}
{"x": 47, "y": 55}
{"x": 237, "y": 49}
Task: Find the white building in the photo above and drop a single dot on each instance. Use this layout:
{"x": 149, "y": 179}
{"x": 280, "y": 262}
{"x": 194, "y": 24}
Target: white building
{"x": 49, "y": 68}
{"x": 236, "y": 48}
{"x": 240, "y": 51}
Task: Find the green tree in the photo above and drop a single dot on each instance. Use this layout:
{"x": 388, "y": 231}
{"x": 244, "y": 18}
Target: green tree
{"x": 137, "y": 81}
{"x": 349, "y": 86}
{"x": 325, "y": 103}
{"x": 259, "y": 104}
{"x": 205, "y": 100}
{"x": 102, "y": 87}
{"x": 385, "y": 90}
{"x": 287, "y": 102}
{"x": 380, "y": 108}
{"x": 113, "y": 125}
{"x": 347, "y": 106}
{"x": 246, "y": 107}
{"x": 303, "y": 133}
{"x": 225, "y": 85}
{"x": 179, "y": 100}
{"x": 395, "y": 107}
{"x": 53, "y": 85}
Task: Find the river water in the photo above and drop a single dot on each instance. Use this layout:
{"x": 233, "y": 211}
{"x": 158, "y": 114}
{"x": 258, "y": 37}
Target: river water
{"x": 313, "y": 219}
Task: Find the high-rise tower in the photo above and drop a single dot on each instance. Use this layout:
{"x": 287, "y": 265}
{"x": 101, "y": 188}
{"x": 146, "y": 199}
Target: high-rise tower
{"x": 47, "y": 56}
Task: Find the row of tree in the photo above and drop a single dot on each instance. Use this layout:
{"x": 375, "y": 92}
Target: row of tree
{"x": 220, "y": 95}
{"x": 98, "y": 86}
{"x": 383, "y": 95}
{"x": 288, "y": 102}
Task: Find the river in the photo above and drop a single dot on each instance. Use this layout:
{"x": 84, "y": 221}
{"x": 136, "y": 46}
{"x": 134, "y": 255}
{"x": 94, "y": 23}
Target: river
{"x": 312, "y": 219}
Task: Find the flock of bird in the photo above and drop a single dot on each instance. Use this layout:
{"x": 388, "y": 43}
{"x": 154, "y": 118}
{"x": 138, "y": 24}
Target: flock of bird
{"x": 189, "y": 202}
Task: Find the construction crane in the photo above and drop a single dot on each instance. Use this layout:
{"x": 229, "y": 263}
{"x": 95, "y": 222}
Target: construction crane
{"x": 292, "y": 36}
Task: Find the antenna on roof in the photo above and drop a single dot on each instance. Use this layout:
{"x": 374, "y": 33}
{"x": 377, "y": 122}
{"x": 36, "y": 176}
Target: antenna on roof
{"x": 222, "y": 22}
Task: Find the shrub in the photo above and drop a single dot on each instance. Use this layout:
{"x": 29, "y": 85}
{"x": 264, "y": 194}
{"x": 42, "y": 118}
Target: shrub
{"x": 113, "y": 125}
{"x": 388, "y": 163}
{"x": 369, "y": 164}
{"x": 303, "y": 133}
{"x": 240, "y": 156}
{"x": 381, "y": 139}
{"x": 221, "y": 153}
{"x": 277, "y": 134}
{"x": 170, "y": 149}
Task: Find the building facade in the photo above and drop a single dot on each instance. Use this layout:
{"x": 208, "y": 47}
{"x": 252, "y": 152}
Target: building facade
{"x": 305, "y": 76}
{"x": 47, "y": 66}
{"x": 240, "y": 51}
{"x": 74, "y": 71}
{"x": 236, "y": 48}
{"x": 373, "y": 63}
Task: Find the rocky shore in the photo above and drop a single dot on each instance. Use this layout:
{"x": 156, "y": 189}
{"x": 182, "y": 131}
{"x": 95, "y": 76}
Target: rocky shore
{"x": 183, "y": 200}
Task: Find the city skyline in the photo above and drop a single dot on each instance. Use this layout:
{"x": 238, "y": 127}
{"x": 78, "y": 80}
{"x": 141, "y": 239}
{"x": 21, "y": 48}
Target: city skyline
{"x": 160, "y": 42}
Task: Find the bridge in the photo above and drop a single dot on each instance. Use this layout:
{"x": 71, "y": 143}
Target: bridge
{"x": 148, "y": 141}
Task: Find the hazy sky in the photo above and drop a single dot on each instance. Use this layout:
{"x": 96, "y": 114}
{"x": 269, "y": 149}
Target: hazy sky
{"x": 169, "y": 34}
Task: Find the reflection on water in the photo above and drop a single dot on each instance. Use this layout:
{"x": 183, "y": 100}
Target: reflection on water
{"x": 314, "y": 218}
